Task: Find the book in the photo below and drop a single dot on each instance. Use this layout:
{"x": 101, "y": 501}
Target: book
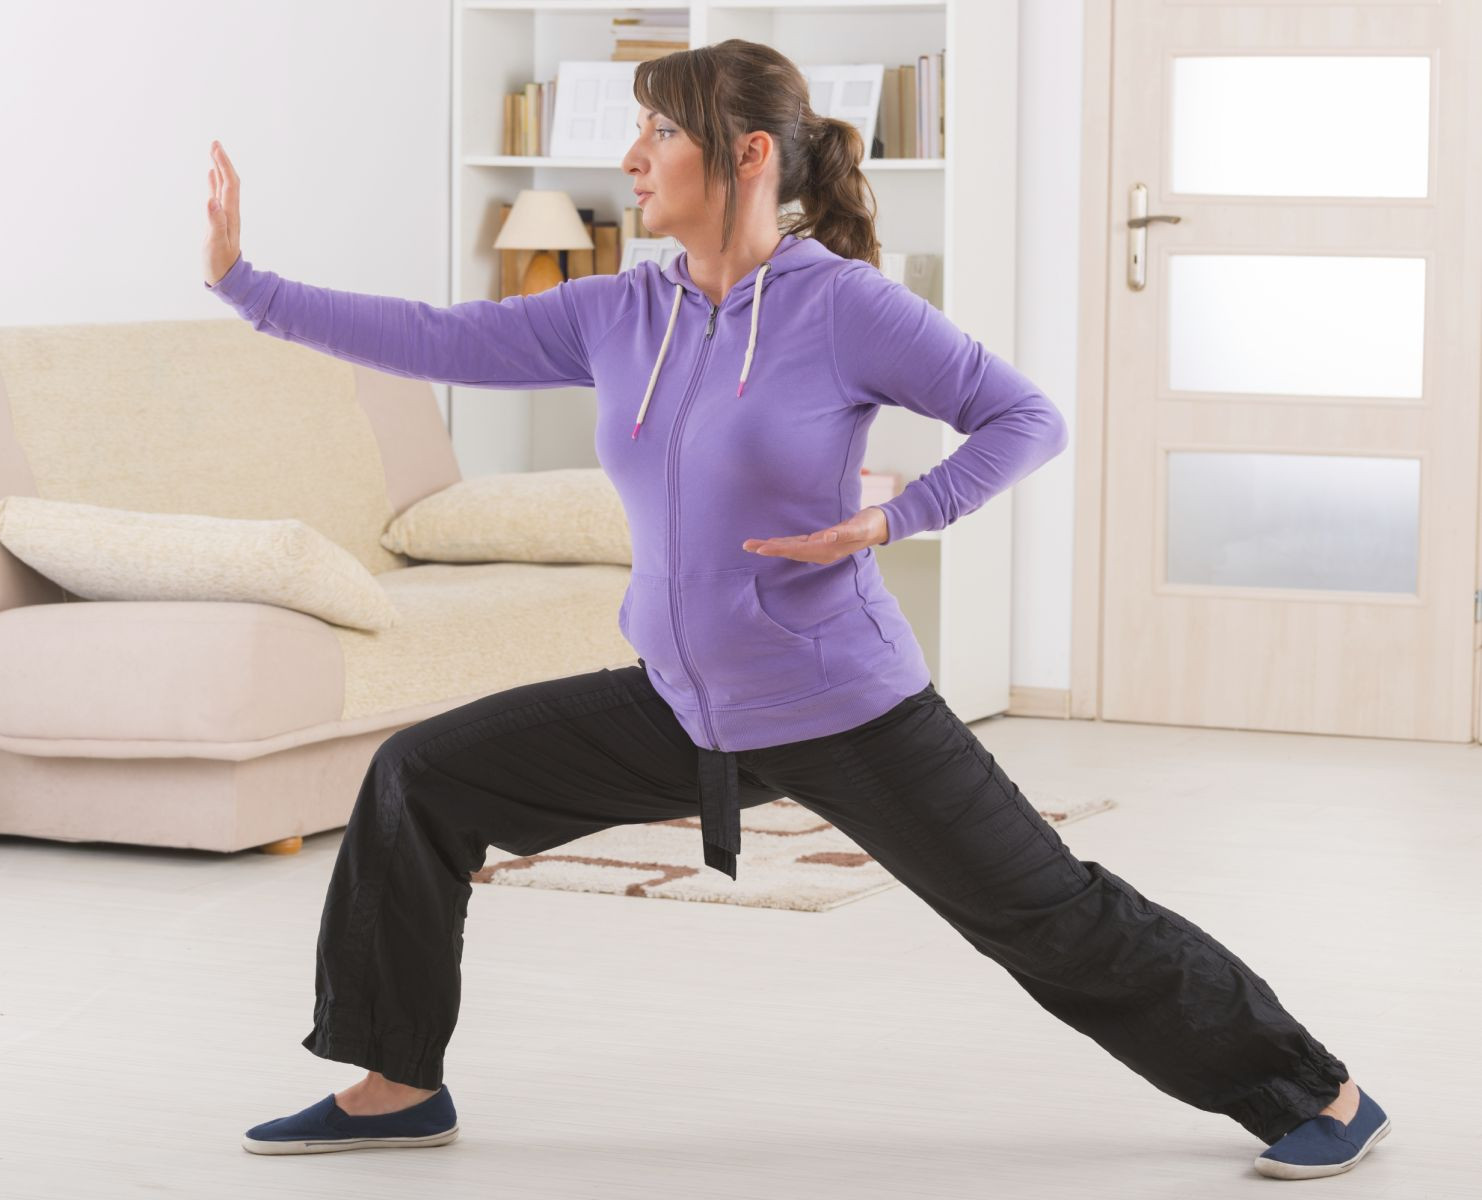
{"x": 909, "y": 138}
{"x": 608, "y": 251}
{"x": 890, "y": 112}
{"x": 642, "y": 53}
{"x": 528, "y": 114}
{"x": 654, "y": 34}
{"x": 581, "y": 262}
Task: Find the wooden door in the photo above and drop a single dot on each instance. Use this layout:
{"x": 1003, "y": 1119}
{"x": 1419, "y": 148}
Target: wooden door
{"x": 1291, "y": 481}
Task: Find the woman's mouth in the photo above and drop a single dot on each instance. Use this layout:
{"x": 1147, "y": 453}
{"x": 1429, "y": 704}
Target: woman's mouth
{"x": 642, "y": 196}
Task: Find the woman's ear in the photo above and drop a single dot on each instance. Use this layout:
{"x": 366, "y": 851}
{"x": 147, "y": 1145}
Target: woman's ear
{"x": 756, "y": 149}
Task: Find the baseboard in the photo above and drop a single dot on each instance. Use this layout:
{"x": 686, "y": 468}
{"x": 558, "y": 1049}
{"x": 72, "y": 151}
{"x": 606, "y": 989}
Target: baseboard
{"x": 1039, "y": 702}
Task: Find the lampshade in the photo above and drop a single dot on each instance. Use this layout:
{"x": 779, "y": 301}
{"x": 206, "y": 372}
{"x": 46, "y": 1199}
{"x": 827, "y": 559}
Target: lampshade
{"x": 543, "y": 219}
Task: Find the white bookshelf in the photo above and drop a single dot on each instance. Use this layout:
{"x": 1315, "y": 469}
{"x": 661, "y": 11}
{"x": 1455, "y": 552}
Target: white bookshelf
{"x": 953, "y": 585}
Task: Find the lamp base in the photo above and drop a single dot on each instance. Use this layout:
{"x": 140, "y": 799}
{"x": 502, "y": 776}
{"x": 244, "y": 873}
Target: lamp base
{"x": 542, "y": 272}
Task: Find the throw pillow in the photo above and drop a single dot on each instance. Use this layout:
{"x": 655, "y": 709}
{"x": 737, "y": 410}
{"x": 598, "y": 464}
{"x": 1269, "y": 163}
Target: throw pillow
{"x": 571, "y": 514}
{"x": 102, "y": 553}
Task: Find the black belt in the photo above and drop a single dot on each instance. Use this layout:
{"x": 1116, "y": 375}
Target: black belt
{"x": 720, "y": 807}
{"x": 720, "y": 810}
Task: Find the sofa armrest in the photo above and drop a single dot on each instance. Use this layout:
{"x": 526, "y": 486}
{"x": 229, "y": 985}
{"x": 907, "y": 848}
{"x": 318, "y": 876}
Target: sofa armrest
{"x": 165, "y": 670}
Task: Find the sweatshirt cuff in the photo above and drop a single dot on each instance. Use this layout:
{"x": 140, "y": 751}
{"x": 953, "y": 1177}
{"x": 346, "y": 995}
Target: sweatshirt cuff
{"x": 910, "y": 512}
{"x": 247, "y": 290}
{"x": 231, "y": 286}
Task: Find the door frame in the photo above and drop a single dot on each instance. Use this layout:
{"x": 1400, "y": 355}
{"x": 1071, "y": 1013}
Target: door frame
{"x": 1094, "y": 279}
{"x": 1091, "y": 362}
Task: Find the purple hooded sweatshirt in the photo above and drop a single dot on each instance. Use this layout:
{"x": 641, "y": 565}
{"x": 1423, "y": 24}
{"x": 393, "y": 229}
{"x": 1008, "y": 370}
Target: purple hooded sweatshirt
{"x": 719, "y": 423}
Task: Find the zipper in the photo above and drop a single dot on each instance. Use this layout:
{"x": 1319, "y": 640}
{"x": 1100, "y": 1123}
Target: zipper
{"x": 674, "y": 528}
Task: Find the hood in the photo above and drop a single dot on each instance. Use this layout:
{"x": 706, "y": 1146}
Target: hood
{"x": 792, "y": 254}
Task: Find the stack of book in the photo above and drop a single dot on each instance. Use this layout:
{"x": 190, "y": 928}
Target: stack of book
{"x": 527, "y": 118}
{"x": 652, "y": 34}
{"x": 913, "y": 102}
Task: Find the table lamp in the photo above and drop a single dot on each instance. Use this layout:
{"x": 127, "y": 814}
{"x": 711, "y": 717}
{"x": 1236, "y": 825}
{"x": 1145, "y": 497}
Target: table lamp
{"x": 542, "y": 220}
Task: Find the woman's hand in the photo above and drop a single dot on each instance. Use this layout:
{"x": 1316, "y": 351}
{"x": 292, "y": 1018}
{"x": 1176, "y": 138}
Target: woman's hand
{"x": 867, "y": 527}
{"x": 224, "y": 215}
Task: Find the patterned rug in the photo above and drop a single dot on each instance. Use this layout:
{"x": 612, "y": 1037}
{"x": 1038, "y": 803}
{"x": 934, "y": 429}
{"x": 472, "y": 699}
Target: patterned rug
{"x": 790, "y": 858}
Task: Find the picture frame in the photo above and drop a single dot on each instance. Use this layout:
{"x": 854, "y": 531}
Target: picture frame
{"x": 596, "y": 113}
{"x": 662, "y": 250}
{"x": 849, "y": 91}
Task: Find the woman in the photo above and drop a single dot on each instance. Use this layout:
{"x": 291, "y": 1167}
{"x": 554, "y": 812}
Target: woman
{"x": 773, "y": 661}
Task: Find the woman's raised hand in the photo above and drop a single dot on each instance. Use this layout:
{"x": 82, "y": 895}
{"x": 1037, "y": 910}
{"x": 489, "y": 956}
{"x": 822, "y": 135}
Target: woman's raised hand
{"x": 223, "y": 244}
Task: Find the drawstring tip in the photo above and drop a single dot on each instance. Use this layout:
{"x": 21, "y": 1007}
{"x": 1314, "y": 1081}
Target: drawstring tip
{"x": 635, "y": 429}
{"x": 739, "y": 386}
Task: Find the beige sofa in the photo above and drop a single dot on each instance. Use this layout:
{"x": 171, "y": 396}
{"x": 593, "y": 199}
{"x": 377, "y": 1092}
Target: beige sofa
{"x": 221, "y": 725}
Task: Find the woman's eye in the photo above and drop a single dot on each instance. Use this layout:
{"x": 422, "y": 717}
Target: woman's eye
{"x": 662, "y": 130}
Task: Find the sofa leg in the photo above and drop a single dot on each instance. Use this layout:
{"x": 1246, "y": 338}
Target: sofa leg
{"x": 288, "y": 845}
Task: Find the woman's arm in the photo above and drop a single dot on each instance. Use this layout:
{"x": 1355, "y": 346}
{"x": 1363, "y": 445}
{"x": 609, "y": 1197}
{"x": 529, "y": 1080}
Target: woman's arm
{"x": 537, "y": 341}
{"x": 892, "y": 346}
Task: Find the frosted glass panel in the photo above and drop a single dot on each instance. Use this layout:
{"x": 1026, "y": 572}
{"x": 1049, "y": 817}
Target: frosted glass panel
{"x": 1308, "y": 325}
{"x": 1295, "y": 125}
{"x": 1293, "y": 521}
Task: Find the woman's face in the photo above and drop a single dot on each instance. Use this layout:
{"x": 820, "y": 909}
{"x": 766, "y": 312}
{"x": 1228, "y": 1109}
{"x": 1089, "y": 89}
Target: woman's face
{"x": 664, "y": 162}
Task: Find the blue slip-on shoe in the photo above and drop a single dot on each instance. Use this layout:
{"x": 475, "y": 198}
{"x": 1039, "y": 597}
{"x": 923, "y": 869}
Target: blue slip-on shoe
{"x": 326, "y": 1126}
{"x": 1324, "y": 1145}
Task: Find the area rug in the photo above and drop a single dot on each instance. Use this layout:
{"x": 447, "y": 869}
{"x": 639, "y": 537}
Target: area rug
{"x": 790, "y": 858}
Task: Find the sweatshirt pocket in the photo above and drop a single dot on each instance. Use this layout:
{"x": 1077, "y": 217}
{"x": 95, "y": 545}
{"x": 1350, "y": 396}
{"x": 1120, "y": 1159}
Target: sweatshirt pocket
{"x": 743, "y": 656}
{"x": 643, "y": 620}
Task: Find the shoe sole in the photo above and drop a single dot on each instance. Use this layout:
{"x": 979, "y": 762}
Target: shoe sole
{"x": 327, "y": 1145}
{"x": 1276, "y": 1169}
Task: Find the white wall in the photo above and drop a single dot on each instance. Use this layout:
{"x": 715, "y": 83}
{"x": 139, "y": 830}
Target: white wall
{"x": 1050, "y": 36}
{"x": 336, "y": 115}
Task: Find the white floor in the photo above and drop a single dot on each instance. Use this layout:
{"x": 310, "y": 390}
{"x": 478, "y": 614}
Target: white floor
{"x": 152, "y": 1003}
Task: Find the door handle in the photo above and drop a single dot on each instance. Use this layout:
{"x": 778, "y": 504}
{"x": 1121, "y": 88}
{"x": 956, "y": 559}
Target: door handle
{"x": 1137, "y": 239}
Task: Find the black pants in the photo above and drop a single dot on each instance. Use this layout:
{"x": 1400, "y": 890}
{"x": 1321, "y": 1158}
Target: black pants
{"x": 536, "y": 766}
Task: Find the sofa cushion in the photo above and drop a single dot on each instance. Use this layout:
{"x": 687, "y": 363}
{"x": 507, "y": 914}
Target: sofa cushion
{"x": 102, "y": 553}
{"x": 468, "y": 630}
{"x": 567, "y": 515}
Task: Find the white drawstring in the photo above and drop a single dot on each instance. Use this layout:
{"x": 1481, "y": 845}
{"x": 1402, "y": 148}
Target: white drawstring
{"x": 664, "y": 349}
{"x": 756, "y": 312}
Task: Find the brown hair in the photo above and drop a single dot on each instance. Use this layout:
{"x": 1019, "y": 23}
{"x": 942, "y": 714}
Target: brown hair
{"x": 717, "y": 93}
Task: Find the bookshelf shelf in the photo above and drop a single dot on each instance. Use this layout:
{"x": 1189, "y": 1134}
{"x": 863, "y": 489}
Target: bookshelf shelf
{"x": 602, "y": 164}
{"x": 574, "y": 6}
{"x": 832, "y": 6}
{"x": 624, "y": 6}
{"x": 953, "y": 584}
